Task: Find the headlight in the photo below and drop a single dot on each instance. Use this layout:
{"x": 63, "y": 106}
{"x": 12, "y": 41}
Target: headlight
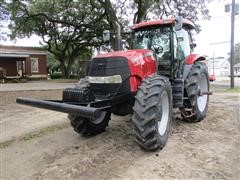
{"x": 105, "y": 80}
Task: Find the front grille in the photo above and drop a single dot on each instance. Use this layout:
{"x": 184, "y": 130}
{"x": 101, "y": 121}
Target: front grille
{"x": 109, "y": 67}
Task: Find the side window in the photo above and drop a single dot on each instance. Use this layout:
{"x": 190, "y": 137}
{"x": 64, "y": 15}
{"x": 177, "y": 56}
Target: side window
{"x": 185, "y": 43}
{"x": 34, "y": 64}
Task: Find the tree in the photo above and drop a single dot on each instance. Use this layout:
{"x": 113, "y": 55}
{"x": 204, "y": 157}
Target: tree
{"x": 78, "y": 66}
{"x": 127, "y": 12}
{"x": 52, "y": 63}
{"x": 70, "y": 27}
{"x": 67, "y": 27}
{"x": 4, "y": 17}
{"x": 140, "y": 10}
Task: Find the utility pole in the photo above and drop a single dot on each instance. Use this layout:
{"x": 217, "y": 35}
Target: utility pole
{"x": 233, "y": 10}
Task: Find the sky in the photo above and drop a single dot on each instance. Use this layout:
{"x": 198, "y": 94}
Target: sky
{"x": 215, "y": 30}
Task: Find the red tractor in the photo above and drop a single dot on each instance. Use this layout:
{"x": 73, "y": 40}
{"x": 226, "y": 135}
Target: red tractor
{"x": 158, "y": 74}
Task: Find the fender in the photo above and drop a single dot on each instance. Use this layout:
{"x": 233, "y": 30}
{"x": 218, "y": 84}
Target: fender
{"x": 192, "y": 58}
{"x": 189, "y": 61}
{"x": 135, "y": 81}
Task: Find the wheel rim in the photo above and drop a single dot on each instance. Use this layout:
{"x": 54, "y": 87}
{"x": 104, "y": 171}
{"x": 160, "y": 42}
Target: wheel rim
{"x": 162, "y": 124}
{"x": 100, "y": 118}
{"x": 202, "y": 99}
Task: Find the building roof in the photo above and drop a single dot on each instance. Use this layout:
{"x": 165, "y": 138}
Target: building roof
{"x": 186, "y": 22}
{"x": 20, "y": 51}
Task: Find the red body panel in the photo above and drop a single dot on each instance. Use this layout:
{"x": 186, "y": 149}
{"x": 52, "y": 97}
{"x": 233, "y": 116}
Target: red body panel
{"x": 193, "y": 57}
{"x": 141, "y": 64}
{"x": 161, "y": 22}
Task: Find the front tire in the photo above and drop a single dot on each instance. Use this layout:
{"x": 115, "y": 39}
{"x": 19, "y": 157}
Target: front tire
{"x": 152, "y": 113}
{"x": 88, "y": 127}
{"x": 85, "y": 126}
{"x": 196, "y": 106}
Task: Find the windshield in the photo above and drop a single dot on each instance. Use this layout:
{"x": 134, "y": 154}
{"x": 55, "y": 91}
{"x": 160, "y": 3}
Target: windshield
{"x": 157, "y": 39}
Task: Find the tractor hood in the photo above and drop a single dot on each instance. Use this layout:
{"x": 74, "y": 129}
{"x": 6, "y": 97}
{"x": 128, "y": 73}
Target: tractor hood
{"x": 140, "y": 64}
{"x": 135, "y": 56}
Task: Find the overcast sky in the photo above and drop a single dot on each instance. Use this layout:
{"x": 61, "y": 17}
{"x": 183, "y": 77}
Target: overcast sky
{"x": 216, "y": 30}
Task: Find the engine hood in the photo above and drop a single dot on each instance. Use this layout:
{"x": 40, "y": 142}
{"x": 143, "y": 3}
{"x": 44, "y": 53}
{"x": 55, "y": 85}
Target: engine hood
{"x": 135, "y": 56}
{"x": 141, "y": 63}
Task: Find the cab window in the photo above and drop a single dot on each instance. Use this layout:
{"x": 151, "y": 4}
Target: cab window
{"x": 184, "y": 43}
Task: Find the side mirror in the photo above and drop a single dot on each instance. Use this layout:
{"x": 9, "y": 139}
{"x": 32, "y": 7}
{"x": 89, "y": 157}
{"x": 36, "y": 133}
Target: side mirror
{"x": 178, "y": 23}
{"x": 193, "y": 45}
{"x": 106, "y": 35}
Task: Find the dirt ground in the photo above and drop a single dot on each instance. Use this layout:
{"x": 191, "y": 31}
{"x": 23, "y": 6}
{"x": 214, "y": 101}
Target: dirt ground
{"x": 17, "y": 120}
{"x": 206, "y": 150}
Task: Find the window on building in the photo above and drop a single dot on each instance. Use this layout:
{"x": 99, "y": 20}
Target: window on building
{"x": 34, "y": 64}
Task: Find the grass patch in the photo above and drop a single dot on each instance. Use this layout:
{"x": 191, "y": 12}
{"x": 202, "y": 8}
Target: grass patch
{"x": 63, "y": 80}
{"x": 217, "y": 88}
{"x": 33, "y": 135}
{"x": 234, "y": 90}
{"x": 6, "y": 144}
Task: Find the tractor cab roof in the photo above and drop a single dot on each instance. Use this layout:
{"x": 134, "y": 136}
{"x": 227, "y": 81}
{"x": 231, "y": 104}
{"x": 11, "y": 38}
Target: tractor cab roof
{"x": 187, "y": 23}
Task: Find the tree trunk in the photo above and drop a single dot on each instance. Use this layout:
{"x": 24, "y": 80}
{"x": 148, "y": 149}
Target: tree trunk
{"x": 141, "y": 13}
{"x": 112, "y": 19}
{"x": 65, "y": 73}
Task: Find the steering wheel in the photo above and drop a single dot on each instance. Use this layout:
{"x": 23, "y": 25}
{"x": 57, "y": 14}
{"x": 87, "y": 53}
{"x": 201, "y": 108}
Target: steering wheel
{"x": 157, "y": 48}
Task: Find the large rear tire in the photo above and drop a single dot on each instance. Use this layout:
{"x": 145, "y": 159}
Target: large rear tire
{"x": 152, "y": 113}
{"x": 196, "y": 106}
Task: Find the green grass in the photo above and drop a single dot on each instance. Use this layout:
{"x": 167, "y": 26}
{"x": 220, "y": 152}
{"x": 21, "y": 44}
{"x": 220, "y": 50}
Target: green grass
{"x": 6, "y": 144}
{"x": 36, "y": 134}
{"x": 63, "y": 80}
{"x": 217, "y": 88}
{"x": 234, "y": 90}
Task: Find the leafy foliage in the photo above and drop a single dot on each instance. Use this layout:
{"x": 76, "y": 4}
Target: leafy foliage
{"x": 70, "y": 28}
{"x": 52, "y": 63}
{"x": 141, "y": 10}
{"x": 4, "y": 17}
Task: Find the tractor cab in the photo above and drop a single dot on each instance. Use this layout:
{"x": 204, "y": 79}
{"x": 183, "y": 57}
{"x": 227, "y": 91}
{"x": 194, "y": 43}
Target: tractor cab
{"x": 170, "y": 40}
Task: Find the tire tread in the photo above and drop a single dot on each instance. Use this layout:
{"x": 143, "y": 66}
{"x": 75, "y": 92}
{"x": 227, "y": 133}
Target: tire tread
{"x": 144, "y": 123}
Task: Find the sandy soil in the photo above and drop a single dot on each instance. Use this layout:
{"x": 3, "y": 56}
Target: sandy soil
{"x": 17, "y": 120}
{"x": 38, "y": 85}
{"x": 206, "y": 150}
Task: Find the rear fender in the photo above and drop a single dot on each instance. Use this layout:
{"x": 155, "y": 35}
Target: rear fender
{"x": 189, "y": 61}
{"x": 192, "y": 58}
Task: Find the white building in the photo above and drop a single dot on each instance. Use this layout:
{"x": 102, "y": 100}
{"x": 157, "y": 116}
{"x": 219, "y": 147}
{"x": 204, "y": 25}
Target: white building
{"x": 218, "y": 66}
